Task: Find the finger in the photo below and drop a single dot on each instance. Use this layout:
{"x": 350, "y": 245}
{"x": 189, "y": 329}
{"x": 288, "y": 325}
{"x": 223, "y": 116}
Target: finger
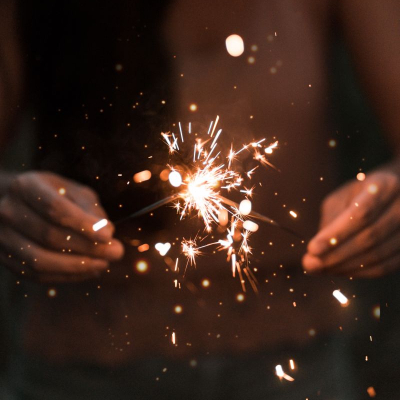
{"x": 44, "y": 261}
{"x": 30, "y": 224}
{"x": 365, "y": 208}
{"x": 88, "y": 200}
{"x": 57, "y": 208}
{"x": 373, "y": 256}
{"x": 360, "y": 243}
{"x": 379, "y": 270}
{"x": 64, "y": 278}
{"x": 21, "y": 271}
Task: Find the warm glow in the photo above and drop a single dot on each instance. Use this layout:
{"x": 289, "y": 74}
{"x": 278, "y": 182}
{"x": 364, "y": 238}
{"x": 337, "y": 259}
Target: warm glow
{"x": 143, "y": 247}
{"x": 178, "y": 309}
{"x": 142, "y": 267}
{"x": 163, "y": 248}
{"x": 341, "y": 298}
{"x": 164, "y": 174}
{"x": 361, "y": 176}
{"x": 234, "y": 45}
{"x": 376, "y": 312}
{"x": 223, "y": 217}
{"x": 250, "y": 226}
{"x": 205, "y": 283}
{"x": 142, "y": 176}
{"x": 373, "y": 188}
{"x": 240, "y": 297}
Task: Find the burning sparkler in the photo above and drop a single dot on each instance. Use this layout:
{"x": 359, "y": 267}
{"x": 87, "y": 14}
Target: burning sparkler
{"x": 202, "y": 182}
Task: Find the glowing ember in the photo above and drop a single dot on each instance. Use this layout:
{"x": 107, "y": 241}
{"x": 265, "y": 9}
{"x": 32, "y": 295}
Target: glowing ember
{"x": 100, "y": 224}
{"x": 141, "y": 267}
{"x": 281, "y": 374}
{"x": 190, "y": 250}
{"x": 142, "y": 248}
{"x": 163, "y": 248}
{"x": 234, "y": 45}
{"x": 142, "y": 176}
{"x": 341, "y": 298}
{"x": 361, "y": 176}
{"x": 333, "y": 241}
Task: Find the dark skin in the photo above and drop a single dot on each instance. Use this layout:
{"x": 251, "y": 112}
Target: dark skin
{"x": 371, "y": 28}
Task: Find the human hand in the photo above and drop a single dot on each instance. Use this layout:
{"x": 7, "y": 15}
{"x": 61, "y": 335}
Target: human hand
{"x": 46, "y": 230}
{"x": 360, "y": 229}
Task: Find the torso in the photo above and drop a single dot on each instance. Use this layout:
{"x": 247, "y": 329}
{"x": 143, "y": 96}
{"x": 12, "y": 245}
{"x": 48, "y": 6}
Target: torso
{"x": 286, "y": 92}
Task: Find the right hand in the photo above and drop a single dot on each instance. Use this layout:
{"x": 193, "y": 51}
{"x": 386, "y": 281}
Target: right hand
{"x": 47, "y": 233}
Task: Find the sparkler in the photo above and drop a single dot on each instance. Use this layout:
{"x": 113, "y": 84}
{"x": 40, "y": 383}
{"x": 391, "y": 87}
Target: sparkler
{"x": 201, "y": 183}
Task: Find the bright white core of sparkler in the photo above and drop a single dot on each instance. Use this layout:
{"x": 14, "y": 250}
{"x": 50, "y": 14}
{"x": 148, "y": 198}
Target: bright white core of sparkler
{"x": 100, "y": 224}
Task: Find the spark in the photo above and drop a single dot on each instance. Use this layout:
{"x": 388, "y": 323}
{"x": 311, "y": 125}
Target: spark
{"x": 202, "y": 183}
{"x": 281, "y": 374}
{"x": 271, "y": 147}
{"x": 163, "y": 248}
{"x": 190, "y": 250}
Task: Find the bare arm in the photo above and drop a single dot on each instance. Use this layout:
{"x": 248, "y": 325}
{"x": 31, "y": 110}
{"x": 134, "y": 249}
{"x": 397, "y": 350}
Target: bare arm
{"x": 360, "y": 222}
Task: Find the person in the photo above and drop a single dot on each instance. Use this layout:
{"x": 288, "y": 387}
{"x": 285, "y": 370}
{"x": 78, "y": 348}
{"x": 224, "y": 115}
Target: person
{"x": 100, "y": 81}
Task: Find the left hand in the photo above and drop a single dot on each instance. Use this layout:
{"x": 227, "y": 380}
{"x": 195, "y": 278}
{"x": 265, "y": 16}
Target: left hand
{"x": 360, "y": 229}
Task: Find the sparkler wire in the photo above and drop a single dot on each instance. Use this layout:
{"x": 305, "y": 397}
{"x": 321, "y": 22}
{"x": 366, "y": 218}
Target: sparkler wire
{"x": 149, "y": 208}
{"x": 225, "y": 200}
